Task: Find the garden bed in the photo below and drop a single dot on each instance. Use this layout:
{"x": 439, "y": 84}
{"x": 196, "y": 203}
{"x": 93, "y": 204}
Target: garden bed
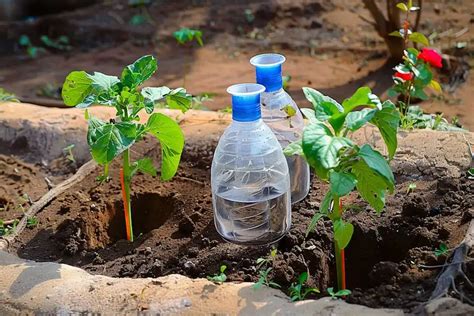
{"x": 84, "y": 226}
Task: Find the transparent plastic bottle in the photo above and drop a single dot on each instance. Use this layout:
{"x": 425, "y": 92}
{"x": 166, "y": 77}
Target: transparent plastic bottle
{"x": 283, "y": 116}
{"x": 249, "y": 176}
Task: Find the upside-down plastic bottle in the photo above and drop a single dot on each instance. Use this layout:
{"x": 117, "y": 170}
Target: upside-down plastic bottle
{"x": 283, "y": 116}
{"x": 249, "y": 175}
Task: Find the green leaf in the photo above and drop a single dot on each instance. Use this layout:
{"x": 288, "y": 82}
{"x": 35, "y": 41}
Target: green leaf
{"x": 152, "y": 95}
{"x": 24, "y": 40}
{"x": 76, "y": 88}
{"x": 294, "y": 148}
{"x": 395, "y": 33}
{"x": 342, "y": 233}
{"x": 141, "y": 70}
{"x": 155, "y": 93}
{"x": 435, "y": 86}
{"x": 168, "y": 132}
{"x": 342, "y": 183}
{"x": 144, "y": 165}
{"x": 102, "y": 83}
{"x": 357, "y": 119}
{"x": 402, "y": 6}
{"x": 185, "y": 35}
{"x": 323, "y": 211}
{"x": 387, "y": 121}
{"x": 179, "y": 99}
{"x": 419, "y": 38}
{"x": 370, "y": 185}
{"x": 377, "y": 163}
{"x": 363, "y": 96}
{"x": 303, "y": 277}
{"x": 321, "y": 148}
{"x": 289, "y": 110}
{"x": 108, "y": 140}
{"x": 310, "y": 115}
{"x": 324, "y": 106}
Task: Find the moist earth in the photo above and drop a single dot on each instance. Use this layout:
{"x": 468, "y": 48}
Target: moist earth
{"x": 174, "y": 229}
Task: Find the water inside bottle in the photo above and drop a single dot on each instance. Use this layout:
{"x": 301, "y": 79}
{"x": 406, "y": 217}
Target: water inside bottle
{"x": 261, "y": 220}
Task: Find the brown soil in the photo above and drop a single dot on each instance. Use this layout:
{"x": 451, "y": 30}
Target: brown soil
{"x": 174, "y": 224}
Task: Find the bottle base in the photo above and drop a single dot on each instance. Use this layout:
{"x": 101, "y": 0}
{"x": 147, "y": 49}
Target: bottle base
{"x": 267, "y": 239}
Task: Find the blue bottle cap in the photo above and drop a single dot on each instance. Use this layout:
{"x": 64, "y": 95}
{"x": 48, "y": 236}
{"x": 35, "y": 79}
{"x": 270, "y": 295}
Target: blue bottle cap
{"x": 268, "y": 70}
{"x": 246, "y": 101}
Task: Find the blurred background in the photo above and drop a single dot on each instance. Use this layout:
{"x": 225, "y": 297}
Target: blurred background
{"x": 334, "y": 46}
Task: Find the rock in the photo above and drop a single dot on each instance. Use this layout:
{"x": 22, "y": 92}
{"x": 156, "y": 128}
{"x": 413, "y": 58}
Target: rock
{"x": 448, "y": 306}
{"x": 446, "y": 184}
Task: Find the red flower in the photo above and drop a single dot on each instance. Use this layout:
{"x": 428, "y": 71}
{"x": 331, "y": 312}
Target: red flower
{"x": 431, "y": 56}
{"x": 404, "y": 76}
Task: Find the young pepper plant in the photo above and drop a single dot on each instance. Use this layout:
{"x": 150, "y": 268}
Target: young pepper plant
{"x": 108, "y": 140}
{"x": 337, "y": 159}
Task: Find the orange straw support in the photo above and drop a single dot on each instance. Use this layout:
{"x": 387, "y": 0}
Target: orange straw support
{"x": 125, "y": 205}
{"x": 343, "y": 260}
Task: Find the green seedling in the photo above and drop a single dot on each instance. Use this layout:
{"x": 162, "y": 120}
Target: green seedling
{"x": 338, "y": 294}
{"x": 298, "y": 291}
{"x": 68, "y": 152}
{"x": 184, "y": 36}
{"x": 441, "y": 250}
{"x": 7, "y": 96}
{"x": 7, "y": 229}
{"x": 32, "y": 50}
{"x": 198, "y": 101}
{"x": 143, "y": 15}
{"x": 249, "y": 16}
{"x": 220, "y": 277}
{"x": 290, "y": 112}
{"x": 263, "y": 261}
{"x": 264, "y": 280}
{"x": 345, "y": 165}
{"x": 286, "y": 82}
{"x": 61, "y": 43}
{"x": 31, "y": 222}
{"x": 470, "y": 173}
{"x": 110, "y": 139}
{"x": 411, "y": 188}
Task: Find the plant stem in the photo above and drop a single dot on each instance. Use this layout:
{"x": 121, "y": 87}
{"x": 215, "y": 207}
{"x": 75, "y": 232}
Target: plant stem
{"x": 126, "y": 195}
{"x": 339, "y": 253}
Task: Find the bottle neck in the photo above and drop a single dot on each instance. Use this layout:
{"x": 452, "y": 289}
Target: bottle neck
{"x": 270, "y": 77}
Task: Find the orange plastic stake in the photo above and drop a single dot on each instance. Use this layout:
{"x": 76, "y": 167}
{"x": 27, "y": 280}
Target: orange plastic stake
{"x": 125, "y": 205}
{"x": 343, "y": 260}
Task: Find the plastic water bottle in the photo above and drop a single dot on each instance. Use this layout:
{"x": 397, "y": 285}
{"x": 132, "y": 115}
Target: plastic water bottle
{"x": 283, "y": 116}
{"x": 249, "y": 176}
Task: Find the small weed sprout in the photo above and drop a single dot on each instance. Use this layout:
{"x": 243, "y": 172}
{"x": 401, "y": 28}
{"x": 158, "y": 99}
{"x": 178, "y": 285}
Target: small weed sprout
{"x": 411, "y": 188}
{"x": 298, "y": 291}
{"x": 441, "y": 250}
{"x": 184, "y": 36}
{"x": 286, "y": 82}
{"x": 264, "y": 265}
{"x": 68, "y": 153}
{"x": 31, "y": 222}
{"x": 338, "y": 294}
{"x": 61, "y": 43}
{"x": 7, "y": 96}
{"x": 143, "y": 16}
{"x": 220, "y": 277}
{"x": 7, "y": 229}
{"x": 32, "y": 50}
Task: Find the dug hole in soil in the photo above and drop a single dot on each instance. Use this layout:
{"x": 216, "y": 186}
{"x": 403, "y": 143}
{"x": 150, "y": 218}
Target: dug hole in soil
{"x": 174, "y": 229}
